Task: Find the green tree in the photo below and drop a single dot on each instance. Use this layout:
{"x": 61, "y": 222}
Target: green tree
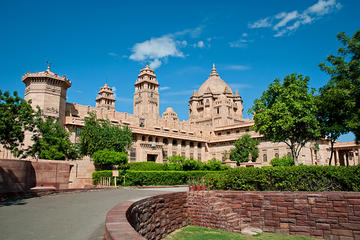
{"x": 286, "y": 112}
{"x": 344, "y": 71}
{"x": 51, "y": 141}
{"x": 285, "y": 161}
{"x": 333, "y": 109}
{"x": 16, "y": 117}
{"x": 244, "y": 147}
{"x": 98, "y": 134}
{"x": 107, "y": 159}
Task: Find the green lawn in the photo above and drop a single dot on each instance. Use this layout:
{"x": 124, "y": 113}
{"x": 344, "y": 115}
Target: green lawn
{"x": 198, "y": 233}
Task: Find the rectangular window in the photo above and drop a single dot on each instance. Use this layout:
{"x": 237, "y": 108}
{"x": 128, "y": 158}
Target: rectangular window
{"x": 133, "y": 155}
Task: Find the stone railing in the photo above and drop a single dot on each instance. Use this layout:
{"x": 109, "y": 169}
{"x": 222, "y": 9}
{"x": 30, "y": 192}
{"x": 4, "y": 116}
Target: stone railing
{"x": 331, "y": 215}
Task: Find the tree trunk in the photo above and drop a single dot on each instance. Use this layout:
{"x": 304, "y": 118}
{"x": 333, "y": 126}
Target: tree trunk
{"x": 332, "y": 152}
{"x": 294, "y": 156}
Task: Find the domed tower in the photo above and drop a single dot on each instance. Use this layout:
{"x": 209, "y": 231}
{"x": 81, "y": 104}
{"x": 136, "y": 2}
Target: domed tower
{"x": 215, "y": 103}
{"x": 48, "y": 91}
{"x": 170, "y": 114}
{"x": 105, "y": 98}
{"x": 146, "y": 96}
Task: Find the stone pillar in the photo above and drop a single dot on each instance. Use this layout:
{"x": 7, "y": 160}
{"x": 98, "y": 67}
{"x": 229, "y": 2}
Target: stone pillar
{"x": 358, "y": 158}
{"x": 336, "y": 155}
{"x": 169, "y": 146}
{"x": 187, "y": 149}
{"x": 179, "y": 148}
{"x": 203, "y": 152}
{"x": 196, "y": 151}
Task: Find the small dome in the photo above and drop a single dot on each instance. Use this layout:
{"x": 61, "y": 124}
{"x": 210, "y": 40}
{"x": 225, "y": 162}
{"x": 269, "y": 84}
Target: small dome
{"x": 215, "y": 84}
{"x": 169, "y": 109}
{"x": 170, "y": 114}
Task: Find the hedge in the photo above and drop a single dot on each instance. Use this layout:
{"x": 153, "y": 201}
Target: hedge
{"x": 293, "y": 178}
{"x": 151, "y": 178}
{"x": 185, "y": 165}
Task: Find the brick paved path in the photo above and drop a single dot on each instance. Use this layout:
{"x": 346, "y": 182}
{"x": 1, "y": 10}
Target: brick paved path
{"x": 64, "y": 216}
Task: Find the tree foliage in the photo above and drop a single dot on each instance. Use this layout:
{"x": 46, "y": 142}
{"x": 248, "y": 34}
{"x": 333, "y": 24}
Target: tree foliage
{"x": 99, "y": 134}
{"x": 286, "y": 112}
{"x": 333, "y": 110}
{"x": 344, "y": 71}
{"x": 107, "y": 159}
{"x": 51, "y": 141}
{"x": 244, "y": 147}
{"x": 16, "y": 117}
{"x": 285, "y": 161}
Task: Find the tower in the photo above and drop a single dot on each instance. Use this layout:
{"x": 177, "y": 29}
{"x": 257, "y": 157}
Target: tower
{"x": 146, "y": 96}
{"x": 105, "y": 98}
{"x": 48, "y": 91}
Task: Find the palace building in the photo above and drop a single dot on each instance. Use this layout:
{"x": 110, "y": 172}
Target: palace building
{"x": 215, "y": 121}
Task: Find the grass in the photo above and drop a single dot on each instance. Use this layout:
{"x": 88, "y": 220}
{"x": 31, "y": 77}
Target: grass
{"x": 199, "y": 233}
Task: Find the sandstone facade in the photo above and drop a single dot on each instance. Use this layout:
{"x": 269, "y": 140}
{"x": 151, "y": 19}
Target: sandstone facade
{"x": 215, "y": 121}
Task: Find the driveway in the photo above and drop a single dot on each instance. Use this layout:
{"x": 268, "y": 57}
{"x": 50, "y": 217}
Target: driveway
{"x": 65, "y": 216}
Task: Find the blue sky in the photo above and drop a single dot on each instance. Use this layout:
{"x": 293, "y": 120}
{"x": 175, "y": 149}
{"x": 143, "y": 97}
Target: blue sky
{"x": 93, "y": 42}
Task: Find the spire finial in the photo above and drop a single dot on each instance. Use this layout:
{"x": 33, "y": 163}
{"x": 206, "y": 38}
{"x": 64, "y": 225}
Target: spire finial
{"x": 48, "y": 66}
{"x": 213, "y": 72}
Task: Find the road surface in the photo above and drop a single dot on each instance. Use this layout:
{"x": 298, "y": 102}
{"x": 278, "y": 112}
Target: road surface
{"x": 65, "y": 216}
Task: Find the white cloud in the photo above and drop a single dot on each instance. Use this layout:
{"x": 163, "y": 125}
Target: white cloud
{"x": 164, "y": 88}
{"x": 287, "y": 22}
{"x": 114, "y": 90}
{"x": 155, "y": 49}
{"x": 323, "y": 7}
{"x": 241, "y": 43}
{"x": 244, "y": 35}
{"x": 200, "y": 44}
{"x": 262, "y": 23}
{"x": 113, "y": 54}
{"x": 285, "y": 18}
{"x": 155, "y": 63}
{"x": 237, "y": 67}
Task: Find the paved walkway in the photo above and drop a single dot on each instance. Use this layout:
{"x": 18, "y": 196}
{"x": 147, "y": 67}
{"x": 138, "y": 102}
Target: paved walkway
{"x": 65, "y": 216}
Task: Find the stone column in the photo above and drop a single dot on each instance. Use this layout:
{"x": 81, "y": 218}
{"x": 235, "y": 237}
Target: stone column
{"x": 196, "y": 150}
{"x": 179, "y": 148}
{"x": 187, "y": 149}
{"x": 203, "y": 152}
{"x": 336, "y": 155}
{"x": 170, "y": 146}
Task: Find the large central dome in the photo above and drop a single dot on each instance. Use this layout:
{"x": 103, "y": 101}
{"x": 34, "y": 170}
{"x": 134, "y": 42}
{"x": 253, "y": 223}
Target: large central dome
{"x": 215, "y": 84}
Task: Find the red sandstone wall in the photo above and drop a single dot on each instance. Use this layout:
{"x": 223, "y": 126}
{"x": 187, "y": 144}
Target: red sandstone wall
{"x": 331, "y": 215}
{"x": 21, "y": 175}
{"x": 157, "y": 216}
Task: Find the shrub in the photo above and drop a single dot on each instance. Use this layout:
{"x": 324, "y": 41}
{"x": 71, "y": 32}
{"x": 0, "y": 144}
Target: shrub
{"x": 176, "y": 162}
{"x": 191, "y": 165}
{"x": 106, "y": 159}
{"x": 148, "y": 178}
{"x": 147, "y": 166}
{"x": 284, "y": 161}
{"x": 294, "y": 178}
{"x": 214, "y": 165}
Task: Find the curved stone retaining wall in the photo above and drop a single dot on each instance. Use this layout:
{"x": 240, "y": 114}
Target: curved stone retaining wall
{"x": 149, "y": 218}
{"x": 331, "y": 215}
